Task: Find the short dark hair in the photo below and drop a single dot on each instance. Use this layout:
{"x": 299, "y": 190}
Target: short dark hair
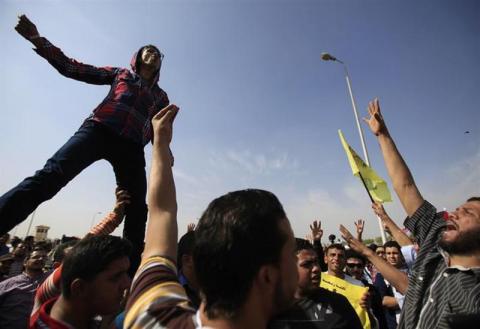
{"x": 59, "y": 252}
{"x": 302, "y": 244}
{"x": 353, "y": 254}
{"x": 236, "y": 235}
{"x": 186, "y": 244}
{"x": 90, "y": 256}
{"x": 338, "y": 246}
{"x": 392, "y": 244}
{"x": 474, "y": 198}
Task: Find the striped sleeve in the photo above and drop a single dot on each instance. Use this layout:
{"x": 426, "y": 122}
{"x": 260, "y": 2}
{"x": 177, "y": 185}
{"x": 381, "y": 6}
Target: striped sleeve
{"x": 48, "y": 289}
{"x": 107, "y": 225}
{"x": 425, "y": 224}
{"x": 157, "y": 298}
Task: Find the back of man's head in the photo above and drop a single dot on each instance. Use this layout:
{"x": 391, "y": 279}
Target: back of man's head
{"x": 61, "y": 251}
{"x": 237, "y": 234}
{"x": 89, "y": 257}
{"x": 186, "y": 245}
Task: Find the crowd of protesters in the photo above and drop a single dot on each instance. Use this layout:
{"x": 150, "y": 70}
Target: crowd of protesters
{"x": 241, "y": 265}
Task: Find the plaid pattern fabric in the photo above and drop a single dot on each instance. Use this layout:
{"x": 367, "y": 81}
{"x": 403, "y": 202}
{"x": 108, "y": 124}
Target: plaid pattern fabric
{"x": 130, "y": 103}
{"x": 438, "y": 296}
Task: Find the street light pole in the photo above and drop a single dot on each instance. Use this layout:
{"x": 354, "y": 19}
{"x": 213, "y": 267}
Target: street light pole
{"x": 328, "y": 57}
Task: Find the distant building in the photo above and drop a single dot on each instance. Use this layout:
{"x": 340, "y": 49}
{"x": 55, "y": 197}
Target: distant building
{"x": 41, "y": 232}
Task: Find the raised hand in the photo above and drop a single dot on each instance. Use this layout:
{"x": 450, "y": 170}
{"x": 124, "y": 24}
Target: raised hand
{"x": 359, "y": 224}
{"x": 355, "y": 244}
{"x": 123, "y": 198}
{"x": 26, "y": 28}
{"x": 162, "y": 124}
{"x": 375, "y": 121}
{"x": 316, "y": 228}
{"x": 379, "y": 210}
{"x": 191, "y": 227}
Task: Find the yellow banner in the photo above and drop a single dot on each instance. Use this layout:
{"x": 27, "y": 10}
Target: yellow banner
{"x": 375, "y": 184}
{"x": 353, "y": 293}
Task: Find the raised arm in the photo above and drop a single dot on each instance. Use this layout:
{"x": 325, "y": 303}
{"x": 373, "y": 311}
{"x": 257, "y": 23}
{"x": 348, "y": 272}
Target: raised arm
{"x": 162, "y": 231}
{"x": 317, "y": 233}
{"x": 395, "y": 231}
{"x": 66, "y": 66}
{"x": 396, "y": 277}
{"x": 359, "y": 225}
{"x": 398, "y": 171}
{"x": 51, "y": 286}
{"x": 115, "y": 217}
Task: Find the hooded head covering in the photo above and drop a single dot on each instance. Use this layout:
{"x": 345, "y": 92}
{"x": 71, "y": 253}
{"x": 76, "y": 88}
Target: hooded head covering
{"x": 137, "y": 58}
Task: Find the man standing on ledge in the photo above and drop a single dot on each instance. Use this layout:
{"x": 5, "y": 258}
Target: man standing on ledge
{"x": 117, "y": 131}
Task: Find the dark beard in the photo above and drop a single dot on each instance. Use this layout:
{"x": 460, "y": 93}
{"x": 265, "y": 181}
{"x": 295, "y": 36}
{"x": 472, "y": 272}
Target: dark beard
{"x": 465, "y": 243}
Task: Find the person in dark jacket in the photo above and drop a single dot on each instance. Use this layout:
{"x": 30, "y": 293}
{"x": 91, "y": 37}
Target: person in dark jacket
{"x": 117, "y": 131}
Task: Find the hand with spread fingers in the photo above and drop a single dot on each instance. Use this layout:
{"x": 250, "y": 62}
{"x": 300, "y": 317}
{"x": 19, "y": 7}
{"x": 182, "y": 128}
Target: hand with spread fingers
{"x": 355, "y": 244}
{"x": 359, "y": 224}
{"x": 191, "y": 227}
{"x": 316, "y": 228}
{"x": 375, "y": 121}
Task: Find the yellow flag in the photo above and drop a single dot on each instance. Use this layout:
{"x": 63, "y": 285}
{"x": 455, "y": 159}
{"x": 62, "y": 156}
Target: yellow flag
{"x": 375, "y": 184}
{"x": 352, "y": 292}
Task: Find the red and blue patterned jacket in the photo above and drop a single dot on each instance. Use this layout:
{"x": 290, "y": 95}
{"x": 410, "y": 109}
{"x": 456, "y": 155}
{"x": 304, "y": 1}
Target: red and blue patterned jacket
{"x": 130, "y": 104}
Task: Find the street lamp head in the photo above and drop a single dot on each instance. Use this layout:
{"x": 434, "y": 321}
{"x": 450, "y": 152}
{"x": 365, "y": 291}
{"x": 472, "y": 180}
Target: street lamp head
{"x": 327, "y": 57}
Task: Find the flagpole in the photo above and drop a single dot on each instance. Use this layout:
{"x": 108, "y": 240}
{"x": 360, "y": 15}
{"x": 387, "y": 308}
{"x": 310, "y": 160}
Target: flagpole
{"x": 328, "y": 57}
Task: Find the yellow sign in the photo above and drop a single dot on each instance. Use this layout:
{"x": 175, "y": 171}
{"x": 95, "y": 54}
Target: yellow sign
{"x": 375, "y": 184}
{"x": 353, "y": 293}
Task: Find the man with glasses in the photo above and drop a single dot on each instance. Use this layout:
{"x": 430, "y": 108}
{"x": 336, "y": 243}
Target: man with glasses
{"x": 355, "y": 267}
{"x": 117, "y": 131}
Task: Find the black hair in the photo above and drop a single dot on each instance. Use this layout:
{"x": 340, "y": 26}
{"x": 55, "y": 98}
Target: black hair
{"x": 392, "y": 244}
{"x": 338, "y": 246}
{"x": 236, "y": 235}
{"x": 186, "y": 244}
{"x": 59, "y": 252}
{"x": 302, "y": 244}
{"x": 138, "y": 59}
{"x": 372, "y": 246}
{"x": 353, "y": 254}
{"x": 474, "y": 198}
{"x": 90, "y": 256}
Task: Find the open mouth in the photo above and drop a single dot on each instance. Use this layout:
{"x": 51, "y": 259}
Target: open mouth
{"x": 450, "y": 226}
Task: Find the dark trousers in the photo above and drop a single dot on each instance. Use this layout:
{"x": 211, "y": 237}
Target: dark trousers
{"x": 90, "y": 143}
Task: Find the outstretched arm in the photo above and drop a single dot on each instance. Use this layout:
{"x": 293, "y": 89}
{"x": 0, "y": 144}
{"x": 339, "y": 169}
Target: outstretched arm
{"x": 64, "y": 65}
{"x": 398, "y": 171}
{"x": 396, "y": 277}
{"x": 162, "y": 231}
{"x": 397, "y": 233}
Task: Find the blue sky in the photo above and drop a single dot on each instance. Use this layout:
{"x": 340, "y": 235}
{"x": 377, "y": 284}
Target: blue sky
{"x": 258, "y": 106}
